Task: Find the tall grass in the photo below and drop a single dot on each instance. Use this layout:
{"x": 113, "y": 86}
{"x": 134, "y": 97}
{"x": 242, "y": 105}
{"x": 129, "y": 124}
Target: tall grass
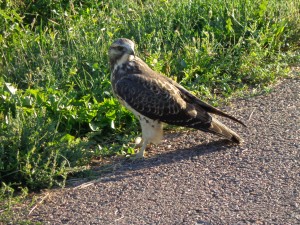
{"x": 56, "y": 106}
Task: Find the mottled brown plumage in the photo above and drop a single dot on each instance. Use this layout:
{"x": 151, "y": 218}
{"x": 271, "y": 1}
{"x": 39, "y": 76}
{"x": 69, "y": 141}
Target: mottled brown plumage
{"x": 154, "y": 98}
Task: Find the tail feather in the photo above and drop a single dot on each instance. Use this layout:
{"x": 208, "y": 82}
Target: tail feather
{"x": 220, "y": 129}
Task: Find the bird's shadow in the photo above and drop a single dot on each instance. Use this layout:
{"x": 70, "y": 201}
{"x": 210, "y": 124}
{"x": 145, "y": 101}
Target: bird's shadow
{"x": 125, "y": 167}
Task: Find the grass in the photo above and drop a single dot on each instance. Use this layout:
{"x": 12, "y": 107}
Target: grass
{"x": 57, "y": 111}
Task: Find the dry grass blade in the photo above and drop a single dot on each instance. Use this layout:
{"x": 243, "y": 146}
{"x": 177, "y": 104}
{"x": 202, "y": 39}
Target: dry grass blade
{"x": 39, "y": 203}
{"x": 251, "y": 114}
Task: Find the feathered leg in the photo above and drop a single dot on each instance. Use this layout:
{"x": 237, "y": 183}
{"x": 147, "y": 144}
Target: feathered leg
{"x": 152, "y": 132}
{"x": 141, "y": 152}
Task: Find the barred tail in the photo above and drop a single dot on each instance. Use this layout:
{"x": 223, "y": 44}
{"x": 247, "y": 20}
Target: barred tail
{"x": 220, "y": 129}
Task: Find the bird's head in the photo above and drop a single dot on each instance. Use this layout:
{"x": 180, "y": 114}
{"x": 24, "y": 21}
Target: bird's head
{"x": 119, "y": 48}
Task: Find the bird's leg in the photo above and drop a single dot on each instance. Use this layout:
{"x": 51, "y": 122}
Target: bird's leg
{"x": 151, "y": 133}
{"x": 141, "y": 153}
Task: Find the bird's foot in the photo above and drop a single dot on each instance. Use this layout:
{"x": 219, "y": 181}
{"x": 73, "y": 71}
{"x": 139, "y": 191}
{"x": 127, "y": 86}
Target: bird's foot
{"x": 137, "y": 156}
{"x": 139, "y": 142}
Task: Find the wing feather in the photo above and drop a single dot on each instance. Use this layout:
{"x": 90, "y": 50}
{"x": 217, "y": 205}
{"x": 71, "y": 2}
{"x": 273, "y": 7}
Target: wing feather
{"x": 193, "y": 99}
{"x": 157, "y": 99}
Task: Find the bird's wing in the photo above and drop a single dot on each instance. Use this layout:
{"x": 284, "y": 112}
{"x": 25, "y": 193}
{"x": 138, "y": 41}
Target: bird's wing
{"x": 157, "y": 98}
{"x": 185, "y": 94}
{"x": 191, "y": 98}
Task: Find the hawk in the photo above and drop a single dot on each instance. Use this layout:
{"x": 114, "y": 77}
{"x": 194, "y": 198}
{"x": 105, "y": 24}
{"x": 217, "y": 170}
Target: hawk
{"x": 156, "y": 99}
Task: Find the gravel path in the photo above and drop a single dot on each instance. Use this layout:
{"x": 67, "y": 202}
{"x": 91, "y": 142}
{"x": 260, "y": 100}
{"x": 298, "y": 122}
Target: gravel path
{"x": 195, "y": 178}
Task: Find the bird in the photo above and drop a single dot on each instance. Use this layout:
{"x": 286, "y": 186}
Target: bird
{"x": 156, "y": 99}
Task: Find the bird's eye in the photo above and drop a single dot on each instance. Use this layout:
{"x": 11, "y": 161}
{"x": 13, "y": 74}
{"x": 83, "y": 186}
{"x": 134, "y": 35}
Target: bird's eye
{"x": 120, "y": 48}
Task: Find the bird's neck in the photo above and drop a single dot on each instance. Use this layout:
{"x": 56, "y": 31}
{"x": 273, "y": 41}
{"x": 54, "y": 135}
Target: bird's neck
{"x": 116, "y": 63}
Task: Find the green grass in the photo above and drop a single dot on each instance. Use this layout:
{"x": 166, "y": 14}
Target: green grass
{"x": 57, "y": 111}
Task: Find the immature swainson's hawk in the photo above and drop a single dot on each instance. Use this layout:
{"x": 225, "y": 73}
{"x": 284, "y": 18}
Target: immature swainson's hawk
{"x": 155, "y": 99}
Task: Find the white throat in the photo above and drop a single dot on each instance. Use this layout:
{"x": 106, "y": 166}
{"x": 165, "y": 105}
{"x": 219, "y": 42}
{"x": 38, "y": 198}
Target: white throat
{"x": 125, "y": 58}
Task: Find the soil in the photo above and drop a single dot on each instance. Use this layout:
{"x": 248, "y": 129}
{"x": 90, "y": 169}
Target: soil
{"x": 197, "y": 178}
